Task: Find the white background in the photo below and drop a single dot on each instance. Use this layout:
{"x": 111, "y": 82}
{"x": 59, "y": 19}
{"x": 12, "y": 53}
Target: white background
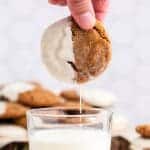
{"x": 23, "y": 21}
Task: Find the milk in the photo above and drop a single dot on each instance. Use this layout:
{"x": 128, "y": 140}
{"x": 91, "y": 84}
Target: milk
{"x": 70, "y": 139}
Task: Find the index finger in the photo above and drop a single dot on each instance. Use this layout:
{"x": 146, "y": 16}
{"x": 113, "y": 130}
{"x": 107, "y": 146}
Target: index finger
{"x": 100, "y": 7}
{"x": 58, "y": 2}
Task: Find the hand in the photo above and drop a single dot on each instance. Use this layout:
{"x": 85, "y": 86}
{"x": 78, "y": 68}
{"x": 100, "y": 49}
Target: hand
{"x": 85, "y": 11}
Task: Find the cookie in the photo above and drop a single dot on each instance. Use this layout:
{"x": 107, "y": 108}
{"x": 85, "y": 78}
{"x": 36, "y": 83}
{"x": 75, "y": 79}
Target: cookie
{"x": 93, "y": 97}
{"x": 40, "y": 98}
{"x": 11, "y": 91}
{"x": 29, "y": 93}
{"x": 22, "y": 121}
{"x": 98, "y": 97}
{"x": 92, "y": 51}
{"x": 70, "y": 95}
{"x": 35, "y": 83}
{"x": 10, "y": 110}
{"x": 140, "y": 144}
{"x": 144, "y": 130}
{"x": 73, "y": 54}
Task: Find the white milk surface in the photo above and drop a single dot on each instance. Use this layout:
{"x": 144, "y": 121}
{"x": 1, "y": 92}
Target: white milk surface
{"x": 71, "y": 139}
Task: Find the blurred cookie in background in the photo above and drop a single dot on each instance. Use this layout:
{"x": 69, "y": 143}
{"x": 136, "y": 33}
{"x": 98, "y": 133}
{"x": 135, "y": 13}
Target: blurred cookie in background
{"x": 70, "y": 94}
{"x": 142, "y": 142}
{"x": 21, "y": 121}
{"x": 11, "y": 91}
{"x": 93, "y": 97}
{"x": 9, "y": 110}
{"x": 40, "y": 98}
{"x": 30, "y": 94}
{"x": 144, "y": 130}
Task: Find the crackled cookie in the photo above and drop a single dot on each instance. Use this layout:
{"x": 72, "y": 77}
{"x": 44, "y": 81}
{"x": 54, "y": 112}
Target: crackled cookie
{"x": 21, "y": 121}
{"x": 30, "y": 94}
{"x": 70, "y": 94}
{"x": 144, "y": 130}
{"x": 40, "y": 98}
{"x": 11, "y": 91}
{"x": 94, "y": 97}
{"x": 73, "y": 99}
{"x": 75, "y": 55}
{"x": 9, "y": 110}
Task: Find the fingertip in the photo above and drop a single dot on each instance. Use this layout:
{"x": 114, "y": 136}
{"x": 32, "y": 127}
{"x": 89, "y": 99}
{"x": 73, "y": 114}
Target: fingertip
{"x": 63, "y": 3}
{"x": 100, "y": 16}
{"x": 52, "y": 2}
{"x": 86, "y": 20}
{"x": 101, "y": 8}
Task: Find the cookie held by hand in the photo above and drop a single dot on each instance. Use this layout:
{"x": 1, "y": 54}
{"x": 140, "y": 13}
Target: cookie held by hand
{"x": 72, "y": 54}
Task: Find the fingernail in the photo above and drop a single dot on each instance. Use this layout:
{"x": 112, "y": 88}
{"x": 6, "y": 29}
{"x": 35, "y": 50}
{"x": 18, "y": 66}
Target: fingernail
{"x": 86, "y": 20}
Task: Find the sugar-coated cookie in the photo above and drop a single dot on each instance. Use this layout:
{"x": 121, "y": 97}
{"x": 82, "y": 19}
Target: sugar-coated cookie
{"x": 72, "y": 54}
{"x": 9, "y": 110}
{"x": 70, "y": 94}
{"x": 21, "y": 121}
{"x": 40, "y": 98}
{"x": 30, "y": 94}
{"x": 11, "y": 91}
{"x": 94, "y": 97}
{"x": 144, "y": 130}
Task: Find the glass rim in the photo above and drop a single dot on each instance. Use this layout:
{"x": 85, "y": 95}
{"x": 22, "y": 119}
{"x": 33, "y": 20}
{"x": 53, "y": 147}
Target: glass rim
{"x": 45, "y": 112}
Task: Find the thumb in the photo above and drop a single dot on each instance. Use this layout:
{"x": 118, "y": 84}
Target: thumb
{"x": 83, "y": 12}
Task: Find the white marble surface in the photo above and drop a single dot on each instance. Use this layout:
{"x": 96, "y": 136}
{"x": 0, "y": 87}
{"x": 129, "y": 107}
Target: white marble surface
{"x": 23, "y": 21}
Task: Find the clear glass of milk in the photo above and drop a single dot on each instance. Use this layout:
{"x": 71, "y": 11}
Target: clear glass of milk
{"x": 69, "y": 129}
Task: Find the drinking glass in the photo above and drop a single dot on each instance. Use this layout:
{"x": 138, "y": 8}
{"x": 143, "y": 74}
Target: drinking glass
{"x": 69, "y": 129}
